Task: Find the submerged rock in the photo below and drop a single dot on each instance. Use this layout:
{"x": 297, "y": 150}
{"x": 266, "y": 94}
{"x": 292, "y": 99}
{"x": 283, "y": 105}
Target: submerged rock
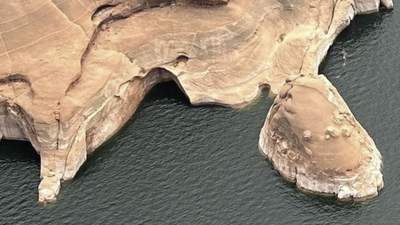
{"x": 73, "y": 72}
{"x": 313, "y": 139}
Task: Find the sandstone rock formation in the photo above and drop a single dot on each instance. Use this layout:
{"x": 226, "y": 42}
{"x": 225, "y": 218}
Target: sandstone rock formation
{"x": 332, "y": 154}
{"x": 73, "y": 72}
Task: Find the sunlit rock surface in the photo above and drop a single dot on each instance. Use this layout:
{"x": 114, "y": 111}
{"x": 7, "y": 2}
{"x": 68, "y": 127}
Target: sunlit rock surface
{"x": 73, "y": 72}
{"x": 312, "y": 138}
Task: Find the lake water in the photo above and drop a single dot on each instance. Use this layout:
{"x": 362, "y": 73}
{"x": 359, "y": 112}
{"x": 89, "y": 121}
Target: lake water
{"x": 178, "y": 164}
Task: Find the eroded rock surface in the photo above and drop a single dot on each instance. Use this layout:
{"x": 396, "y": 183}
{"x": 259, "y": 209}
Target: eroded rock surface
{"x": 313, "y": 139}
{"x": 73, "y": 72}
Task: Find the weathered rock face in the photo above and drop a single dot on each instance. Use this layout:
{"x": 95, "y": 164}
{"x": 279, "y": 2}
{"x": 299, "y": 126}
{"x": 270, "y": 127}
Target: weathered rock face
{"x": 73, "y": 72}
{"x": 332, "y": 154}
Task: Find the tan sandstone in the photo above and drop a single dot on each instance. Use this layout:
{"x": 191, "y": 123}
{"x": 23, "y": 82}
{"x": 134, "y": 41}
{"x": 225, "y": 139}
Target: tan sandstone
{"x": 330, "y": 155}
{"x": 73, "y": 72}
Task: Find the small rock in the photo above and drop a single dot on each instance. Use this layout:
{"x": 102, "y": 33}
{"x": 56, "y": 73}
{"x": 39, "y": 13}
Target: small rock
{"x": 307, "y": 135}
{"x": 285, "y": 145}
{"x": 308, "y": 151}
{"x": 327, "y": 137}
{"x": 346, "y": 132}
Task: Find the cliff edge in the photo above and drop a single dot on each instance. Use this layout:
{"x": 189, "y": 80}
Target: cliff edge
{"x": 73, "y": 72}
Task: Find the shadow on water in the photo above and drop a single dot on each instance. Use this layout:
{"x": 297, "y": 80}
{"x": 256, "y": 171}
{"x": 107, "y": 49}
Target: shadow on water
{"x": 167, "y": 91}
{"x": 164, "y": 92}
{"x": 18, "y": 151}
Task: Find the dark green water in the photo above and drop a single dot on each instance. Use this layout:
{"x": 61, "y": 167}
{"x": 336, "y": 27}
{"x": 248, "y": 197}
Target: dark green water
{"x": 177, "y": 164}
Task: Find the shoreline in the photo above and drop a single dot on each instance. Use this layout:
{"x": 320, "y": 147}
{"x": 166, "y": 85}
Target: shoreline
{"x": 111, "y": 66}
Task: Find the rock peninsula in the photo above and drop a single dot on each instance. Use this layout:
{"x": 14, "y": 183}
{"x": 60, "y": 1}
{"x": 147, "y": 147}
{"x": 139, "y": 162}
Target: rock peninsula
{"x": 331, "y": 155}
{"x": 73, "y": 72}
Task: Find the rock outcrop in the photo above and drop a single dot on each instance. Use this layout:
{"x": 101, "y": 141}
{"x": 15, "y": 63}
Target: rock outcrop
{"x": 329, "y": 155}
{"x": 73, "y": 72}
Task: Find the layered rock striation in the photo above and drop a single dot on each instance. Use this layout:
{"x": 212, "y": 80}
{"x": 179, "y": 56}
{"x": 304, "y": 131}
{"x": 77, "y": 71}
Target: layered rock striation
{"x": 73, "y": 72}
{"x": 313, "y": 139}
